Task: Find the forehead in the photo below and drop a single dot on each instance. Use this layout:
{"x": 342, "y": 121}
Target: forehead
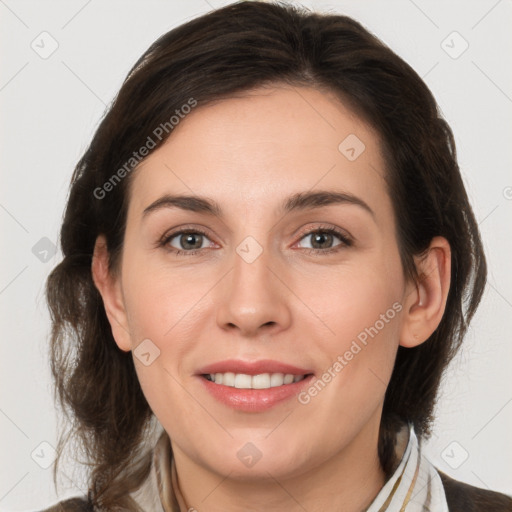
{"x": 263, "y": 145}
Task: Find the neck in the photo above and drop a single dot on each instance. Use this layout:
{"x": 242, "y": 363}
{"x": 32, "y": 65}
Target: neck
{"x": 348, "y": 481}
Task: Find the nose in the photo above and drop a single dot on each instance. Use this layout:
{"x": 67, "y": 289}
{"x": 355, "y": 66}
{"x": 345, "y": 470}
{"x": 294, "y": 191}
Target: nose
{"x": 253, "y": 299}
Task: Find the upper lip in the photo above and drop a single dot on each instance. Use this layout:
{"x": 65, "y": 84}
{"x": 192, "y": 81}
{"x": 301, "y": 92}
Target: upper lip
{"x": 252, "y": 367}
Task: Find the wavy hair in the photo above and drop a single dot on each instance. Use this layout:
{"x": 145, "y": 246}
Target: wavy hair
{"x": 226, "y": 51}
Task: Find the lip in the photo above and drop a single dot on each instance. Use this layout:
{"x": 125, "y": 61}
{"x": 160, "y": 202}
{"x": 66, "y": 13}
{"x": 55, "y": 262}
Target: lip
{"x": 253, "y": 367}
{"x": 253, "y": 400}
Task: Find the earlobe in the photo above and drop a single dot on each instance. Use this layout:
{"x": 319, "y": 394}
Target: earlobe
{"x": 110, "y": 290}
{"x": 425, "y": 302}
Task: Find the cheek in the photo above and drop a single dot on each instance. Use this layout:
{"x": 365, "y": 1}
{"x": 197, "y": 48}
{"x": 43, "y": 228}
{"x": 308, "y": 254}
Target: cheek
{"x": 165, "y": 309}
{"x": 167, "y": 306}
{"x": 366, "y": 309}
{"x": 352, "y": 299}
{"x": 161, "y": 300}
{"x": 361, "y": 310}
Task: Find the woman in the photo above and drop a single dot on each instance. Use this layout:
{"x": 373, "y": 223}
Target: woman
{"x": 266, "y": 248}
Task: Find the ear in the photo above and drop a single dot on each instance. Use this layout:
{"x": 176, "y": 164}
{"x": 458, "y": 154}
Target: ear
{"x": 109, "y": 286}
{"x": 425, "y": 300}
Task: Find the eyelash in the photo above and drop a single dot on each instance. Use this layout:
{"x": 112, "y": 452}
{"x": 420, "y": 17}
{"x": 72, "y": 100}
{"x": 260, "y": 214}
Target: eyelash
{"x": 345, "y": 240}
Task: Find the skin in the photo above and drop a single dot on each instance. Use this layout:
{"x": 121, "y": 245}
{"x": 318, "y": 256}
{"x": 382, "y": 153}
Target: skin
{"x": 249, "y": 154}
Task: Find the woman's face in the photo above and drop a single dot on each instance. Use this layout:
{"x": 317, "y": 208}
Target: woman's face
{"x": 278, "y": 280}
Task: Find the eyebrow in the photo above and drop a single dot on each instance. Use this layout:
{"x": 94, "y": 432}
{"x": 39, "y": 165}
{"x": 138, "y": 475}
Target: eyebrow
{"x": 296, "y": 202}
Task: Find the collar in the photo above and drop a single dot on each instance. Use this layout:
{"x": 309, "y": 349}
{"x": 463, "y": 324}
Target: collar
{"x": 415, "y": 485}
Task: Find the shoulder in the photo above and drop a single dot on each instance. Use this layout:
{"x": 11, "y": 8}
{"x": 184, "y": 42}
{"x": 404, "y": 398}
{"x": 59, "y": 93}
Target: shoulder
{"x": 79, "y": 504}
{"x": 466, "y": 498}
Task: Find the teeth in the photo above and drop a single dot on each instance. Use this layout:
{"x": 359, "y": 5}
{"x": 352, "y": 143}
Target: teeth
{"x": 243, "y": 381}
{"x": 261, "y": 381}
{"x": 228, "y": 379}
{"x": 288, "y": 378}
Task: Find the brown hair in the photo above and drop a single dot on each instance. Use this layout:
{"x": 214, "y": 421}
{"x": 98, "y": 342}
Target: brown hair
{"x": 229, "y": 50}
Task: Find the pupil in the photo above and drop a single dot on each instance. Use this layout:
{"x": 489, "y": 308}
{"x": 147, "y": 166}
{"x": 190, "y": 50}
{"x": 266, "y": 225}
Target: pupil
{"x": 189, "y": 241}
{"x": 320, "y": 238}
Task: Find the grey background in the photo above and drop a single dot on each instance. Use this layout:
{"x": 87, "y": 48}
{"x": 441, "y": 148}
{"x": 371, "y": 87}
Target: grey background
{"x": 50, "y": 108}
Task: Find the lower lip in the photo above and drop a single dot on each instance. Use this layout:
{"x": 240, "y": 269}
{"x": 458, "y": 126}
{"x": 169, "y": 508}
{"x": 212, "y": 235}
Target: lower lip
{"x": 254, "y": 400}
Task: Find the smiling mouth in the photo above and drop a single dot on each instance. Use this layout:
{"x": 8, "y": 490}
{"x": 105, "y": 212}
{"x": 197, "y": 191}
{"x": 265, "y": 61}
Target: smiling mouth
{"x": 261, "y": 381}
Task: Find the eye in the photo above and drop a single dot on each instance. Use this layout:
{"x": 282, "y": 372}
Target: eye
{"x": 191, "y": 241}
{"x": 186, "y": 241}
{"x": 323, "y": 240}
